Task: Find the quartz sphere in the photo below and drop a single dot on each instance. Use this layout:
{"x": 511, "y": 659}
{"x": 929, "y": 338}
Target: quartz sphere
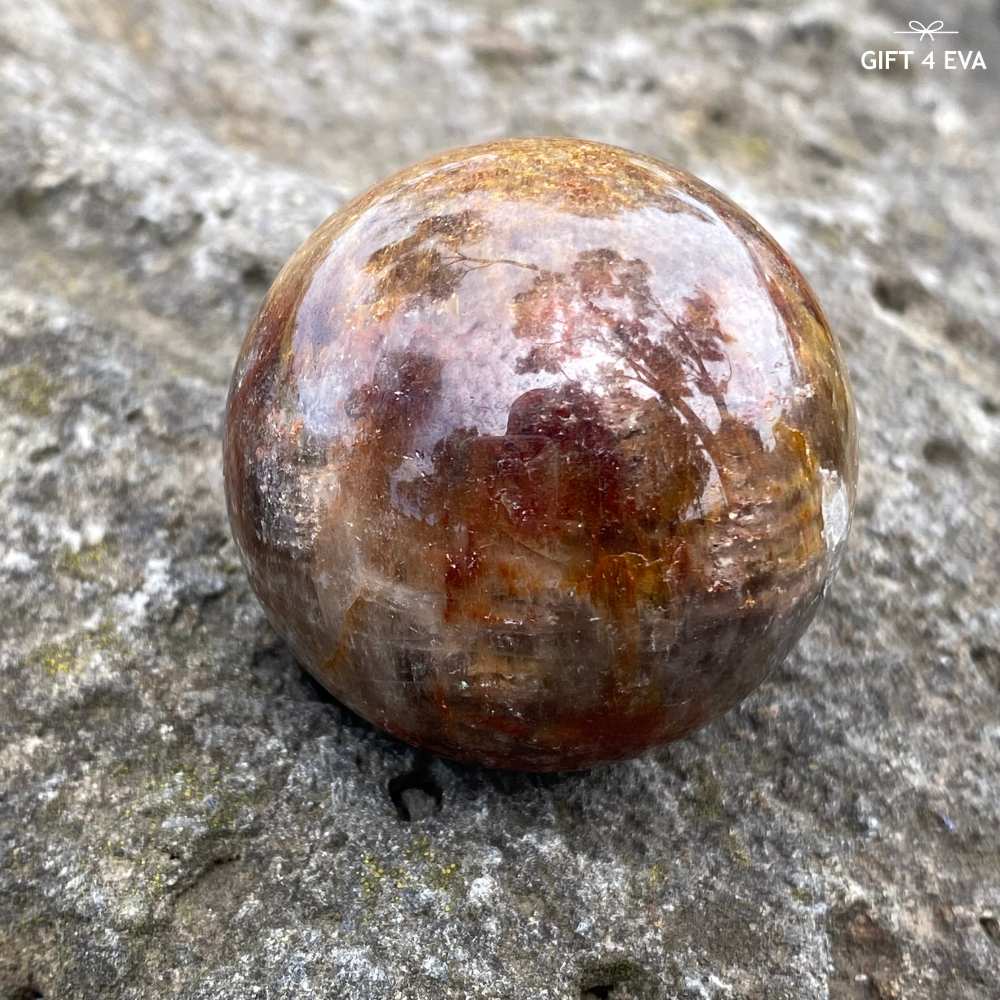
{"x": 540, "y": 453}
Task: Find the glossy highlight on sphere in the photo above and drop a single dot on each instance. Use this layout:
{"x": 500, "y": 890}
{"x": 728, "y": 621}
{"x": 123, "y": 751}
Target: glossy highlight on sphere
{"x": 540, "y": 453}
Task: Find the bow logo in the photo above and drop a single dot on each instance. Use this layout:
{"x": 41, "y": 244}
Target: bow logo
{"x": 926, "y": 31}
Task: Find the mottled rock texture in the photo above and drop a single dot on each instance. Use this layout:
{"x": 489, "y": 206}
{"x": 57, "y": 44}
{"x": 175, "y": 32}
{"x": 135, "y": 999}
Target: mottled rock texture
{"x": 184, "y": 814}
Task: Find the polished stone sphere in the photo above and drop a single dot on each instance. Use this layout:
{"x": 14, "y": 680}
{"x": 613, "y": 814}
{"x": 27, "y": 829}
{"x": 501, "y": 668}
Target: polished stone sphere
{"x": 540, "y": 453}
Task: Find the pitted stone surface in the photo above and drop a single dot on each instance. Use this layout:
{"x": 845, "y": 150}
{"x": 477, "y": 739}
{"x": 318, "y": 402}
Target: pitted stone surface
{"x": 183, "y": 813}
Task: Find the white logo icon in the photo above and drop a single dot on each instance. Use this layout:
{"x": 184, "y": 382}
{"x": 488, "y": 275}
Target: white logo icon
{"x": 926, "y": 31}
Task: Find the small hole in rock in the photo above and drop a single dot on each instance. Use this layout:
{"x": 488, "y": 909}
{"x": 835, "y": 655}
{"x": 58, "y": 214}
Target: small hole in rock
{"x": 610, "y": 979}
{"x": 27, "y": 202}
{"x": 897, "y": 294}
{"x": 824, "y": 154}
{"x": 987, "y": 662}
{"x": 989, "y": 406}
{"x": 956, "y": 330}
{"x": 822, "y": 34}
{"x": 255, "y": 275}
{"x": 941, "y": 451}
{"x": 991, "y": 926}
{"x": 415, "y": 794}
{"x": 43, "y": 454}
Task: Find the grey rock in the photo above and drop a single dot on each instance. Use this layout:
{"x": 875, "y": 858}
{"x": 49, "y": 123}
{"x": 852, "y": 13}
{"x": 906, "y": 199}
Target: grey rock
{"x": 183, "y": 813}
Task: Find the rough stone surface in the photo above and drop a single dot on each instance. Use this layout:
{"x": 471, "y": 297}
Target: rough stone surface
{"x": 183, "y": 813}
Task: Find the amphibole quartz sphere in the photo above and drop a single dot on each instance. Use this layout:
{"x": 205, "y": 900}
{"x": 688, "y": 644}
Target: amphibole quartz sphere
{"x": 540, "y": 453}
